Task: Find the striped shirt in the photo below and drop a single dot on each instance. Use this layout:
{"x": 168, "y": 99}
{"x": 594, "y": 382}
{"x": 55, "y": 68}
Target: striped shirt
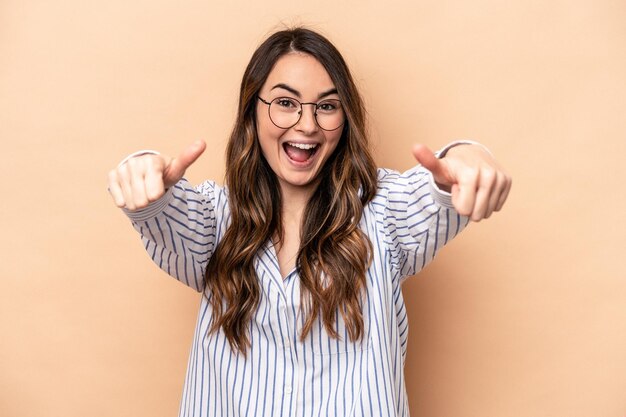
{"x": 408, "y": 221}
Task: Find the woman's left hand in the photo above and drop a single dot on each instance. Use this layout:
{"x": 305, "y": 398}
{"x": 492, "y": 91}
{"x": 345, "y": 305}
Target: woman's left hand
{"x": 479, "y": 186}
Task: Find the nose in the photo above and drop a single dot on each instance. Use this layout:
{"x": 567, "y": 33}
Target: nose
{"x": 307, "y": 123}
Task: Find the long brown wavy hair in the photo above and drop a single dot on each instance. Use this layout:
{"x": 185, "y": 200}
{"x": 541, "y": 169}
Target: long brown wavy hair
{"x": 334, "y": 253}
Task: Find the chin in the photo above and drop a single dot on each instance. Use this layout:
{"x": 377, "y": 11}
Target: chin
{"x": 298, "y": 180}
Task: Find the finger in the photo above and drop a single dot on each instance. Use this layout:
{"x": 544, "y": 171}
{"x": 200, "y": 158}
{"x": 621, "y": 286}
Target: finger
{"x": 499, "y": 188}
{"x": 428, "y": 160}
{"x": 493, "y": 197}
{"x": 505, "y": 193}
{"x": 137, "y": 182}
{"x": 177, "y": 166}
{"x": 483, "y": 194}
{"x": 123, "y": 175}
{"x": 464, "y": 199}
{"x": 154, "y": 186}
{"x": 115, "y": 190}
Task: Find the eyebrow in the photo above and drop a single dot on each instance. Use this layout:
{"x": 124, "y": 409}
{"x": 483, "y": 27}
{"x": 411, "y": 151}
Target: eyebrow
{"x": 297, "y": 93}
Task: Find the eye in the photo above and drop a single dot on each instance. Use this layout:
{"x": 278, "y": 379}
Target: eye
{"x": 286, "y": 103}
{"x": 329, "y": 106}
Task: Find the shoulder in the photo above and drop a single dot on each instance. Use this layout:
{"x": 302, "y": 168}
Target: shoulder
{"x": 214, "y": 193}
{"x": 392, "y": 181}
{"x": 210, "y": 187}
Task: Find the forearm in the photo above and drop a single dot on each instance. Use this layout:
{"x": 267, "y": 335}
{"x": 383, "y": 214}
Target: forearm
{"x": 178, "y": 231}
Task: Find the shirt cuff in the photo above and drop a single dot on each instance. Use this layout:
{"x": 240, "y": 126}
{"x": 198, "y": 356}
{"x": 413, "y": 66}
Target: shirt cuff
{"x": 442, "y": 197}
{"x": 151, "y": 209}
{"x": 442, "y": 152}
{"x": 138, "y": 153}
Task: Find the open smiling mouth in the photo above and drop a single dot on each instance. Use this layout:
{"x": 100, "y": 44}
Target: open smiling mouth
{"x": 300, "y": 152}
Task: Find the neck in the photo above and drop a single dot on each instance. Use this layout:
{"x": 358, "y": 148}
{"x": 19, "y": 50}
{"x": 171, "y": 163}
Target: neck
{"x": 294, "y": 202}
{"x": 295, "y": 199}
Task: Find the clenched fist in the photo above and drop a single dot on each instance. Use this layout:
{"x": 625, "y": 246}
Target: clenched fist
{"x": 143, "y": 179}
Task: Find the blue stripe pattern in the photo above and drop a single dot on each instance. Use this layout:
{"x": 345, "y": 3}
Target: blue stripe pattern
{"x": 408, "y": 221}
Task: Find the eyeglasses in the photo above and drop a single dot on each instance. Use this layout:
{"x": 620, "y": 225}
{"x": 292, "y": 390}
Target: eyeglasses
{"x": 285, "y": 112}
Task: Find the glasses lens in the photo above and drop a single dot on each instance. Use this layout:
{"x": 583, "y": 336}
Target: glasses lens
{"x": 285, "y": 112}
{"x": 329, "y": 114}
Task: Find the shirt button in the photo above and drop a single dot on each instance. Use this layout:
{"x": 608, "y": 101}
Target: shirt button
{"x": 287, "y": 390}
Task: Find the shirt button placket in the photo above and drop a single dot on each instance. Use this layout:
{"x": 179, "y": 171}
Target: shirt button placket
{"x": 291, "y": 377}
{"x": 285, "y": 338}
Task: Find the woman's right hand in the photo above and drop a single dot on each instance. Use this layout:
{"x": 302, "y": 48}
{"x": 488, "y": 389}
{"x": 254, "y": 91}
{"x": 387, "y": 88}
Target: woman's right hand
{"x": 143, "y": 179}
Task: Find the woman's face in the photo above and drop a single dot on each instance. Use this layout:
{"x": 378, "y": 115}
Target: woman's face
{"x": 297, "y": 154}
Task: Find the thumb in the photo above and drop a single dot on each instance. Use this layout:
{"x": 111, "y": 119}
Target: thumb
{"x": 436, "y": 166}
{"x": 176, "y": 168}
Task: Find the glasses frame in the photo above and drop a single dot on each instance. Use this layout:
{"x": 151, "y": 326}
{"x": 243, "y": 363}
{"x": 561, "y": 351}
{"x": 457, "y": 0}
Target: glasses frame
{"x": 269, "y": 105}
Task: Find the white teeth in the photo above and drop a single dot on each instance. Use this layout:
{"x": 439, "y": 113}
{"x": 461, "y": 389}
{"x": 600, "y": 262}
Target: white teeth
{"x": 302, "y": 145}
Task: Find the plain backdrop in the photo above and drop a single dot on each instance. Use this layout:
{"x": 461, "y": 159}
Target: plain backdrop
{"x": 522, "y": 315}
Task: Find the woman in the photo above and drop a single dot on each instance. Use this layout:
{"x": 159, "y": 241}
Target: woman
{"x": 301, "y": 256}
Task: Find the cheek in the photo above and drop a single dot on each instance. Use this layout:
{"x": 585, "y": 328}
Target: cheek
{"x": 266, "y": 128}
{"x": 333, "y": 139}
{"x": 268, "y": 137}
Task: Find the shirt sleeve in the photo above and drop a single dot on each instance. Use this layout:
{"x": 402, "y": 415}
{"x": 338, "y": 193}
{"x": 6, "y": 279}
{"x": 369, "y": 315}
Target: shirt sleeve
{"x": 416, "y": 217}
{"x": 179, "y": 230}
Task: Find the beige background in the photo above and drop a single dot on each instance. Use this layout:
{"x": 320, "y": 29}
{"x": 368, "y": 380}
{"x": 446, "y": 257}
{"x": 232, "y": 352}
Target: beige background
{"x": 522, "y": 315}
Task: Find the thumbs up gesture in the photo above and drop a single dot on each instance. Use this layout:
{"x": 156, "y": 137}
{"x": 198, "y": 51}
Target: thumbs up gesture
{"x": 477, "y": 183}
{"x": 143, "y": 179}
